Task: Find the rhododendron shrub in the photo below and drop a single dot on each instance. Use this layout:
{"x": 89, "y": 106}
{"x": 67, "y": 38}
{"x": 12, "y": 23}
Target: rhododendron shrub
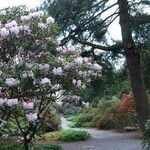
{"x": 37, "y": 72}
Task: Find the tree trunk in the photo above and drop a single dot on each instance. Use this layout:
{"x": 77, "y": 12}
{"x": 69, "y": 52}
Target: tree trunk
{"x": 26, "y": 144}
{"x": 133, "y": 61}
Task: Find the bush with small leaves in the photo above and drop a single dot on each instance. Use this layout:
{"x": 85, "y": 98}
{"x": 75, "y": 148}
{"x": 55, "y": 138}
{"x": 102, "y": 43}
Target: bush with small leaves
{"x": 73, "y": 135}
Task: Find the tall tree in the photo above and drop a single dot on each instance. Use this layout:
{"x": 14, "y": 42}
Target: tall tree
{"x": 86, "y": 22}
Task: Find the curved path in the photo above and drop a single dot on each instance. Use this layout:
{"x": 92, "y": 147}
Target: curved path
{"x": 104, "y": 140}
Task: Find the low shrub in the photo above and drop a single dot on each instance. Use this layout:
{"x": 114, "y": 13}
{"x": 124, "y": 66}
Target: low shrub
{"x": 105, "y": 122}
{"x": 53, "y": 135}
{"x": 146, "y": 136}
{"x": 47, "y": 147}
{"x": 82, "y": 119}
{"x": 73, "y": 135}
{"x": 10, "y": 144}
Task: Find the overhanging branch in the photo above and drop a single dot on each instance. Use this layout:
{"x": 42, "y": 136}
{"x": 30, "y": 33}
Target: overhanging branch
{"x": 104, "y": 48}
{"x": 139, "y": 20}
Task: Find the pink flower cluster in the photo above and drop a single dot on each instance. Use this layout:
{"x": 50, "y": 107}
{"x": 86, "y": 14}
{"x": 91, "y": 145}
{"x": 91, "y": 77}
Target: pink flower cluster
{"x": 12, "y": 82}
{"x": 78, "y": 83}
{"x": 32, "y": 117}
{"x": 57, "y": 71}
{"x": 28, "y": 105}
{"x": 8, "y": 102}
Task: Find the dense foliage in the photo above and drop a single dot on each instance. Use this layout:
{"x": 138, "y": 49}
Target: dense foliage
{"x": 108, "y": 115}
{"x": 37, "y": 74}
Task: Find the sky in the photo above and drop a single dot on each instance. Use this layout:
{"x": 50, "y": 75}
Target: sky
{"x": 114, "y": 29}
{"x": 28, "y": 3}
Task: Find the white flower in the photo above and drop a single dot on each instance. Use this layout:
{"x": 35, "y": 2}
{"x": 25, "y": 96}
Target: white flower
{"x": 2, "y": 101}
{"x": 11, "y": 102}
{"x": 97, "y": 67}
{"x": 32, "y": 117}
{"x": 4, "y": 32}
{"x": 80, "y": 73}
{"x": 20, "y": 28}
{"x": 45, "y": 81}
{"x": 29, "y": 65}
{"x": 50, "y": 20}
{"x": 83, "y": 86}
{"x": 57, "y": 71}
{"x": 28, "y": 105}
{"x": 61, "y": 59}
{"x": 26, "y": 18}
{"x": 25, "y": 75}
{"x": 41, "y": 25}
{"x": 36, "y": 14}
{"x": 85, "y": 60}
{"x": 56, "y": 87}
{"x": 14, "y": 30}
{"x": 31, "y": 74}
{"x": 79, "y": 83}
{"x": 74, "y": 81}
{"x": 12, "y": 82}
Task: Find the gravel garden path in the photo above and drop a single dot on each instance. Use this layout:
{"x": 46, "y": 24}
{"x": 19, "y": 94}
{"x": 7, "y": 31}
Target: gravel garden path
{"x": 104, "y": 140}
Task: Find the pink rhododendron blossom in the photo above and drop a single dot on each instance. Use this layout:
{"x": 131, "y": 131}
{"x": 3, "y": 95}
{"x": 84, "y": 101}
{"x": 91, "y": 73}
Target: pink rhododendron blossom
{"x": 42, "y": 25}
{"x": 57, "y": 71}
{"x": 26, "y": 18}
{"x": 50, "y": 20}
{"x": 28, "y": 105}
{"x": 4, "y": 32}
{"x": 2, "y": 101}
{"x": 12, "y": 82}
{"x": 32, "y": 117}
{"x": 79, "y": 60}
{"x": 79, "y": 83}
{"x": 11, "y": 102}
{"x": 11, "y": 24}
{"x": 14, "y": 30}
{"x": 45, "y": 81}
{"x": 86, "y": 60}
{"x": 97, "y": 67}
{"x": 74, "y": 81}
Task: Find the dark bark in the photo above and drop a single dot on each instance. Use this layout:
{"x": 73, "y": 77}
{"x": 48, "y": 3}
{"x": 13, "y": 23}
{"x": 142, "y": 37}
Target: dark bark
{"x": 26, "y": 144}
{"x": 134, "y": 65}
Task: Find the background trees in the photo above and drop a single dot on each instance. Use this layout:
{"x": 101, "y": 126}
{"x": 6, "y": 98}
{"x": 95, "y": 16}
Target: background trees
{"x": 87, "y": 22}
